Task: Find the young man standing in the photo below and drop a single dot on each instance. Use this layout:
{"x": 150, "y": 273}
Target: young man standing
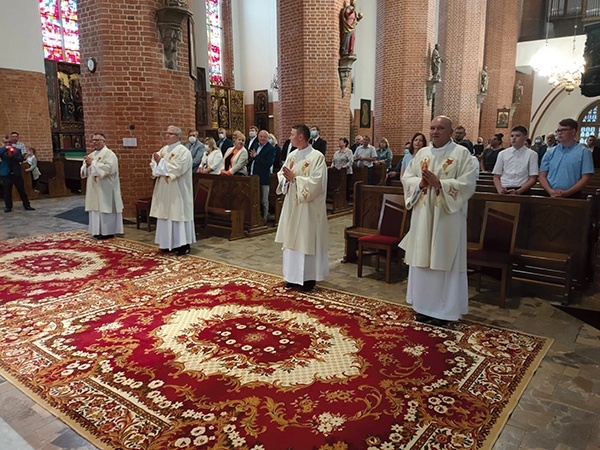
{"x": 567, "y": 167}
{"x": 516, "y": 169}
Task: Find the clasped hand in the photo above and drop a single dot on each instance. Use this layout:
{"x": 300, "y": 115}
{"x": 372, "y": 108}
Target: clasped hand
{"x": 156, "y": 157}
{"x": 429, "y": 179}
{"x": 289, "y": 174}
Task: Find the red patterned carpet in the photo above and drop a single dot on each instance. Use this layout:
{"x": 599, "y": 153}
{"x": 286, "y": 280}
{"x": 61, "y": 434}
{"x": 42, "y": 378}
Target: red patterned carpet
{"x": 140, "y": 350}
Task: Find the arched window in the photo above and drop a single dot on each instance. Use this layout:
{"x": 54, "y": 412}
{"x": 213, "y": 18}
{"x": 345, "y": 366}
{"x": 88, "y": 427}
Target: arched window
{"x": 60, "y": 31}
{"x": 214, "y": 30}
{"x": 588, "y": 122}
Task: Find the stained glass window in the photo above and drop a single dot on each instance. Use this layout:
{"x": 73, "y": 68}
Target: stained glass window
{"x": 60, "y": 31}
{"x": 589, "y": 122}
{"x": 214, "y": 31}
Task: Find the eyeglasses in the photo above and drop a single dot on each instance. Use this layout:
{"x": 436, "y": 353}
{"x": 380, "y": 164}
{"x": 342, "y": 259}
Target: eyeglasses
{"x": 97, "y": 139}
{"x": 172, "y": 134}
{"x": 562, "y": 130}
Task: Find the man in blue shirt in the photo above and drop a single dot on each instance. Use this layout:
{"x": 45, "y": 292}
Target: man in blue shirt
{"x": 567, "y": 167}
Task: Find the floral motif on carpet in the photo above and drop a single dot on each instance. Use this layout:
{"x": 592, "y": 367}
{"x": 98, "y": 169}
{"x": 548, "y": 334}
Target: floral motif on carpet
{"x": 141, "y": 350}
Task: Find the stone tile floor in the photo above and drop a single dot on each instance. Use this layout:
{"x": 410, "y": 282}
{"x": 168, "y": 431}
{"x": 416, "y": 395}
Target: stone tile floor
{"x": 560, "y": 408}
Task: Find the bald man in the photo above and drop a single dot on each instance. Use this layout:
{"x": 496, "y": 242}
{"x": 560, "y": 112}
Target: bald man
{"x": 438, "y": 183}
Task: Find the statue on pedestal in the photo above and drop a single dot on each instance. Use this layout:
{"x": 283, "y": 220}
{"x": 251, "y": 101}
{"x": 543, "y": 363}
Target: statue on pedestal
{"x": 517, "y": 93}
{"x": 483, "y": 84}
{"x": 348, "y": 20}
{"x": 436, "y": 64}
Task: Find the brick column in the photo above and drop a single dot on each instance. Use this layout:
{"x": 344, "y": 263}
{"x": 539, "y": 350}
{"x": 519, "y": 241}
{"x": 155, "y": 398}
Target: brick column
{"x": 309, "y": 86}
{"x": 501, "y": 36}
{"x": 461, "y": 40}
{"x": 402, "y": 69}
{"x": 132, "y": 94}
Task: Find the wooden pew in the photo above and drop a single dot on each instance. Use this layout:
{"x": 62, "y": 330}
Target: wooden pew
{"x": 336, "y": 190}
{"x": 553, "y": 238}
{"x": 378, "y": 175}
{"x": 275, "y": 200}
{"x": 366, "y": 209}
{"x": 52, "y": 178}
{"x": 73, "y": 179}
{"x": 233, "y": 193}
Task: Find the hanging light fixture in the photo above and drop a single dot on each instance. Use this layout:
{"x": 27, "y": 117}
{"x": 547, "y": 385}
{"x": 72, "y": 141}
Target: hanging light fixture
{"x": 561, "y": 73}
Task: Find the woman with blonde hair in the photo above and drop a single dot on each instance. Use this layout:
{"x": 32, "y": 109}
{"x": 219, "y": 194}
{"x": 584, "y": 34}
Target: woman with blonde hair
{"x": 236, "y": 158}
{"x": 212, "y": 160}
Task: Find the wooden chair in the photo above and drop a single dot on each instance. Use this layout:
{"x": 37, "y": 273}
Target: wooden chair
{"x": 201, "y": 200}
{"x": 497, "y": 243}
{"x": 142, "y": 212}
{"x": 392, "y": 221}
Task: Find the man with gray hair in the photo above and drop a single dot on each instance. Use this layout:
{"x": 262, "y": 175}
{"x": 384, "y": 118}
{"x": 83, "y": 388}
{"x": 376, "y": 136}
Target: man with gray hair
{"x": 438, "y": 183}
{"x": 173, "y": 199}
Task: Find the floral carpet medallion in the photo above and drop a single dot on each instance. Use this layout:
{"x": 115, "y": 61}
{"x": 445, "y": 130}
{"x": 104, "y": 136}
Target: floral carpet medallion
{"x": 140, "y": 350}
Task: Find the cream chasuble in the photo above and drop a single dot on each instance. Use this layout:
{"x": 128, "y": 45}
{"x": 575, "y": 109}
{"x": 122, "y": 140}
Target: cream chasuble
{"x": 436, "y": 244}
{"x": 173, "y": 199}
{"x": 103, "y": 193}
{"x": 303, "y": 229}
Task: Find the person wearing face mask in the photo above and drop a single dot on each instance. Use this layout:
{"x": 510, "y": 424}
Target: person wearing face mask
{"x": 196, "y": 148}
{"x": 252, "y": 141}
{"x": 224, "y": 143}
{"x": 316, "y": 141}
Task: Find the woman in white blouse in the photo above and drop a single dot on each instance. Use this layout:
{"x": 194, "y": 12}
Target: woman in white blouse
{"x": 212, "y": 160}
{"x": 236, "y": 158}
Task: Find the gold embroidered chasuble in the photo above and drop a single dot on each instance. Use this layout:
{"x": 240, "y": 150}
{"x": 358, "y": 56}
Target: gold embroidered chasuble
{"x": 303, "y": 223}
{"x": 438, "y": 227}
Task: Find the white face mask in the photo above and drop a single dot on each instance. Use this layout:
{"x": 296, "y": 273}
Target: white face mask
{"x": 221, "y": 136}
{"x": 252, "y": 134}
{"x": 192, "y": 140}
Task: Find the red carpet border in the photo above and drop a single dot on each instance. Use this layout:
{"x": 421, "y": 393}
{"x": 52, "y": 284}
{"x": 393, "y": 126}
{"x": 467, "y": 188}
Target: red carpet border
{"x": 139, "y": 350}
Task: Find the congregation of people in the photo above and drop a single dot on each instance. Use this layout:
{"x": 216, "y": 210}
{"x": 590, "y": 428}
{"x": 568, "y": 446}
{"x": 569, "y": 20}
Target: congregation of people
{"x": 442, "y": 172}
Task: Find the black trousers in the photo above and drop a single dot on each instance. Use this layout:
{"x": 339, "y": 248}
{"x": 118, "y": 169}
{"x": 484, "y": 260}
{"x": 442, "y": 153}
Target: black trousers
{"x": 8, "y": 181}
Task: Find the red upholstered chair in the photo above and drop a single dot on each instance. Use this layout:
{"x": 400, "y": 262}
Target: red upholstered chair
{"x": 392, "y": 221}
{"x": 201, "y": 200}
{"x": 496, "y": 244}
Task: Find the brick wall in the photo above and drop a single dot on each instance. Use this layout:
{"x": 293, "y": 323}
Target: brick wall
{"x": 502, "y": 32}
{"x": 461, "y": 43}
{"x": 131, "y": 88}
{"x": 24, "y": 109}
{"x": 309, "y": 88}
{"x": 405, "y": 32}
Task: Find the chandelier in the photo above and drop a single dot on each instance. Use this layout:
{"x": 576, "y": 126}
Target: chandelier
{"x": 560, "y": 71}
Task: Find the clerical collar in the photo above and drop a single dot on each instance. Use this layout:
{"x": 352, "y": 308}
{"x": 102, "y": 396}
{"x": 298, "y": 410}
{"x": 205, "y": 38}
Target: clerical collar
{"x": 443, "y": 147}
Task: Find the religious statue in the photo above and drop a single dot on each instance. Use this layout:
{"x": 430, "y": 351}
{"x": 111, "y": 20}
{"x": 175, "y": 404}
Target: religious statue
{"x": 436, "y": 63}
{"x": 518, "y": 93}
{"x": 483, "y": 86}
{"x": 223, "y": 114}
{"x": 67, "y": 106}
{"x": 348, "y": 20}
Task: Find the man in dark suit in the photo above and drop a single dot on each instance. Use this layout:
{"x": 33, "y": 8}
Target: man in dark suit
{"x": 261, "y": 161}
{"x": 10, "y": 171}
{"x": 316, "y": 141}
{"x": 224, "y": 143}
{"x": 252, "y": 141}
{"x": 286, "y": 150}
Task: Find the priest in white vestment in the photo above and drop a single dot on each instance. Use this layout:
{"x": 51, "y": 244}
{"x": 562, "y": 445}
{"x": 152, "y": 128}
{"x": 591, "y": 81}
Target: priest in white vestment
{"x": 438, "y": 183}
{"x": 303, "y": 228}
{"x": 103, "y": 190}
{"x": 173, "y": 199}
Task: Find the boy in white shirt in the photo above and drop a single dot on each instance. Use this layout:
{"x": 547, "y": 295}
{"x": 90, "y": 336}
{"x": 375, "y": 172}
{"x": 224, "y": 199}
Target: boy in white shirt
{"x": 516, "y": 169}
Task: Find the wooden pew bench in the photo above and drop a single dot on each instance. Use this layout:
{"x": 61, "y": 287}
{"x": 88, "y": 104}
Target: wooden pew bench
{"x": 234, "y": 200}
{"x": 336, "y": 190}
{"x": 552, "y": 245}
{"x": 52, "y": 178}
{"x": 366, "y": 209}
